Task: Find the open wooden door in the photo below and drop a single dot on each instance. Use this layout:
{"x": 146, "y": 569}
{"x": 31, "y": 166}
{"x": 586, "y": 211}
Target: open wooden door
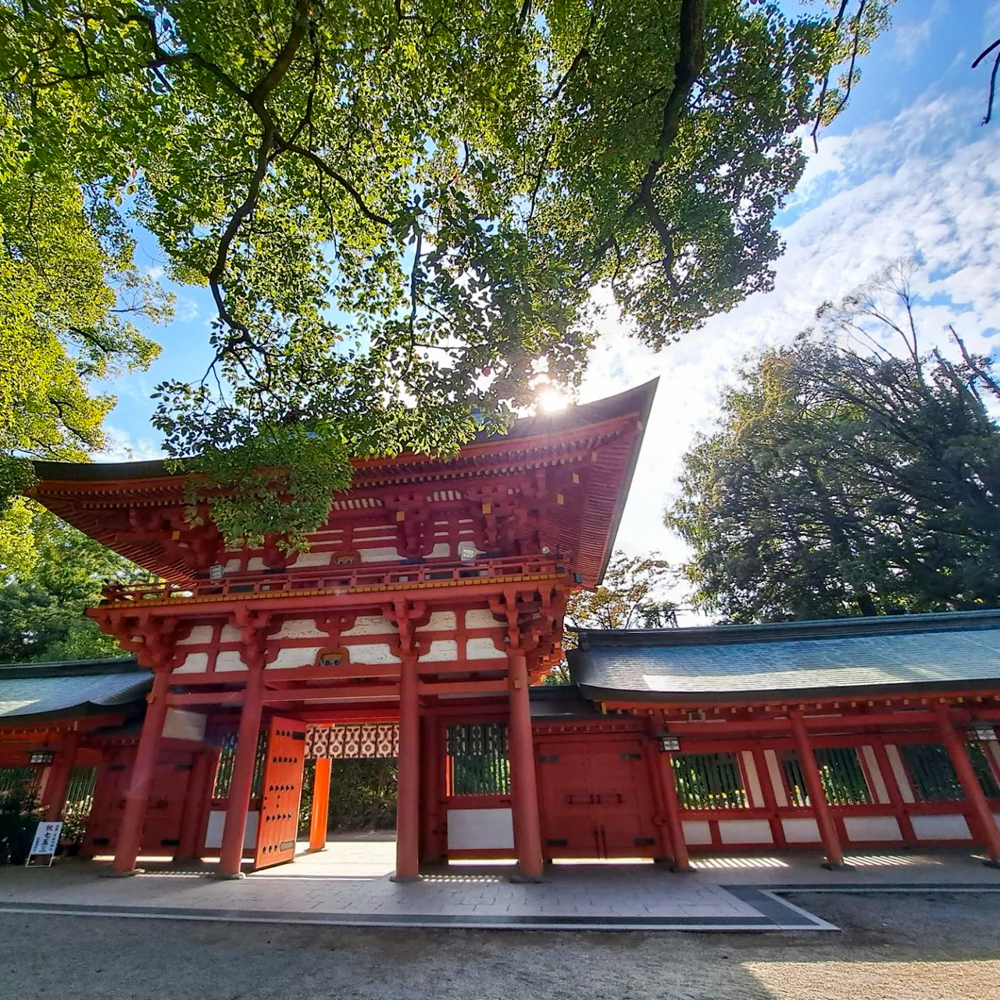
{"x": 280, "y": 794}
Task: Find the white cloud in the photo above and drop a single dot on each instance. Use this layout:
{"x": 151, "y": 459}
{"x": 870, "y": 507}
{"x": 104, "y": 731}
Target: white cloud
{"x": 925, "y": 181}
{"x": 123, "y": 447}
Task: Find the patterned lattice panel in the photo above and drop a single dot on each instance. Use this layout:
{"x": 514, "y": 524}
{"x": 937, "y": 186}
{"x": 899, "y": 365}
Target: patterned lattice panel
{"x": 365, "y": 741}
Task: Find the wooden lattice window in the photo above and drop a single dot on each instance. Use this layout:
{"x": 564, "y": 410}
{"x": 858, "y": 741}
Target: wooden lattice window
{"x": 227, "y": 759}
{"x": 931, "y": 772}
{"x": 17, "y": 779}
{"x": 709, "y": 781}
{"x": 477, "y": 759}
{"x": 984, "y": 772}
{"x": 840, "y": 771}
{"x": 80, "y": 793}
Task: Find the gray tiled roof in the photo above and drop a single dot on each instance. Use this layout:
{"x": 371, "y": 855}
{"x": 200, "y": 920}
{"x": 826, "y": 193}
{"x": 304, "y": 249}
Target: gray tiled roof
{"x": 739, "y": 661}
{"x": 41, "y": 690}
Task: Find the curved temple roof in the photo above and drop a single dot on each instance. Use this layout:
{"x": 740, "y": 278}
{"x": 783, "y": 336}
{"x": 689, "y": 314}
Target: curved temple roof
{"x": 54, "y": 689}
{"x": 935, "y": 651}
{"x": 85, "y": 494}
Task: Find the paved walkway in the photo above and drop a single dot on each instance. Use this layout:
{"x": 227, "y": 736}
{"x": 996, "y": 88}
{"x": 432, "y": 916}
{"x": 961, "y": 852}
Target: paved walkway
{"x": 348, "y": 884}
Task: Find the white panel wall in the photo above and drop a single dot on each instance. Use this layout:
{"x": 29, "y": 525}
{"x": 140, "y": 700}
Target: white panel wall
{"x": 872, "y": 828}
{"x": 217, "y": 822}
{"x": 945, "y": 827}
{"x": 488, "y": 829}
{"x": 697, "y": 831}
{"x": 801, "y": 830}
{"x": 183, "y": 725}
{"x": 745, "y": 831}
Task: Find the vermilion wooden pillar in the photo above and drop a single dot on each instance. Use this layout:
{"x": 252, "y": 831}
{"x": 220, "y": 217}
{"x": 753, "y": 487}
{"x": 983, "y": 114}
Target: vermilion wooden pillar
{"x": 895, "y": 796}
{"x": 524, "y": 787}
{"x": 319, "y": 818}
{"x": 198, "y": 790}
{"x": 238, "y": 805}
{"x": 54, "y": 798}
{"x": 432, "y": 764}
{"x": 675, "y": 826}
{"x": 982, "y": 815}
{"x": 817, "y": 797}
{"x": 408, "y": 775}
{"x": 137, "y": 796}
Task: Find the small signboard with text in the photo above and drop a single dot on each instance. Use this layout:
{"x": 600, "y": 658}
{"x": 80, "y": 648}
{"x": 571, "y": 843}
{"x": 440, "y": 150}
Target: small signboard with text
{"x": 43, "y": 847}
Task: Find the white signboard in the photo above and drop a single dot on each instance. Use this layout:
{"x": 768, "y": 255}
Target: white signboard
{"x": 43, "y": 847}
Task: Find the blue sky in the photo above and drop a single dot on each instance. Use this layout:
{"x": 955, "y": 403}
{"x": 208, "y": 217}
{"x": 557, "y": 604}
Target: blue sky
{"x": 906, "y": 169}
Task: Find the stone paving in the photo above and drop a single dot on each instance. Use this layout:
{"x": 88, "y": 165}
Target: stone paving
{"x": 348, "y": 884}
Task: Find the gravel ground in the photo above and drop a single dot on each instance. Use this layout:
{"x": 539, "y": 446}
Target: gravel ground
{"x": 893, "y": 947}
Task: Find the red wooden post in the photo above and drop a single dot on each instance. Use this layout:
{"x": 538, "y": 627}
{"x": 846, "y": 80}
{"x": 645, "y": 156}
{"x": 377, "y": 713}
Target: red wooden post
{"x": 431, "y": 781}
{"x": 668, "y": 788}
{"x": 238, "y": 805}
{"x": 320, "y": 817}
{"x": 198, "y": 789}
{"x": 524, "y": 786}
{"x": 137, "y": 796}
{"x": 54, "y": 798}
{"x": 982, "y": 816}
{"x": 408, "y": 775}
{"x": 817, "y": 797}
{"x": 895, "y": 796}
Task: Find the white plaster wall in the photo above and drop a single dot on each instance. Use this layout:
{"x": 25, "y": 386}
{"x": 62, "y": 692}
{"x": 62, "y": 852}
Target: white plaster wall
{"x": 872, "y": 828}
{"x": 774, "y": 773}
{"x": 697, "y": 831}
{"x": 482, "y": 648}
{"x": 440, "y": 621}
{"x": 875, "y": 775}
{"x": 304, "y": 628}
{"x": 370, "y": 625}
{"x": 944, "y": 827}
{"x": 313, "y": 559}
{"x": 255, "y": 565}
{"x": 217, "y": 823}
{"x": 288, "y": 659}
{"x": 228, "y": 661}
{"x": 441, "y": 550}
{"x": 184, "y": 725}
{"x": 801, "y": 831}
{"x": 380, "y": 555}
{"x": 372, "y": 652}
{"x": 753, "y": 781}
{"x": 233, "y": 565}
{"x": 480, "y": 618}
{"x": 441, "y": 650}
{"x": 199, "y": 634}
{"x": 745, "y": 831}
{"x": 488, "y": 829}
{"x": 194, "y": 663}
{"x": 899, "y": 772}
{"x": 229, "y": 634}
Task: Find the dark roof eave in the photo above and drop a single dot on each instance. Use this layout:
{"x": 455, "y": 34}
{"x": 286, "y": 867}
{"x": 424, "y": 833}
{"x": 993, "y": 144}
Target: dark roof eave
{"x": 857, "y": 692}
{"x": 71, "y": 668}
{"x": 719, "y": 635}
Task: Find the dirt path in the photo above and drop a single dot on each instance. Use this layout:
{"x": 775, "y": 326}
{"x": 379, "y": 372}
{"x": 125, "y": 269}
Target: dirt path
{"x": 893, "y": 947}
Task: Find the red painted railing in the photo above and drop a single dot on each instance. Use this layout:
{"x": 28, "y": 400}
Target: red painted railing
{"x": 346, "y": 578}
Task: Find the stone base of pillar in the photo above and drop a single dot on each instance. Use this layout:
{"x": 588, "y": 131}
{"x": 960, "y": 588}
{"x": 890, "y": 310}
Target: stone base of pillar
{"x": 403, "y": 879}
{"x": 991, "y": 862}
{"x": 114, "y": 873}
{"x": 518, "y": 879}
{"x": 227, "y": 876}
{"x": 315, "y": 850}
{"x": 837, "y": 866}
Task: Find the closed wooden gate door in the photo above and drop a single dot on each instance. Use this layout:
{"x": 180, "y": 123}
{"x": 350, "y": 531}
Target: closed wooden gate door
{"x": 596, "y": 798}
{"x": 280, "y": 793}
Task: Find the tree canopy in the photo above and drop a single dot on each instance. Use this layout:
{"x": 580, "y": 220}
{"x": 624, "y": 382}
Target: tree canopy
{"x": 847, "y": 478}
{"x": 47, "y": 584}
{"x": 401, "y": 209}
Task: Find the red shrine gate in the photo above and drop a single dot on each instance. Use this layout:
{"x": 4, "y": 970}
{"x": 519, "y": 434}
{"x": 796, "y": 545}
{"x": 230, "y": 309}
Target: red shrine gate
{"x": 427, "y": 605}
{"x": 432, "y": 597}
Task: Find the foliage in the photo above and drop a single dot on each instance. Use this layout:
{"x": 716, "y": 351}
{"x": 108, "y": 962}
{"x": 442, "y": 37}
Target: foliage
{"x": 845, "y": 481}
{"x": 401, "y": 209}
{"x": 630, "y": 596}
{"x": 69, "y": 299}
{"x": 44, "y": 595}
{"x": 19, "y": 815}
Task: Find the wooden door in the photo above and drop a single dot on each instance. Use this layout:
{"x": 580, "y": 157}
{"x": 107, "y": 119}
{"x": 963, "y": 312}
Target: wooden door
{"x": 596, "y": 800}
{"x": 282, "y": 789}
